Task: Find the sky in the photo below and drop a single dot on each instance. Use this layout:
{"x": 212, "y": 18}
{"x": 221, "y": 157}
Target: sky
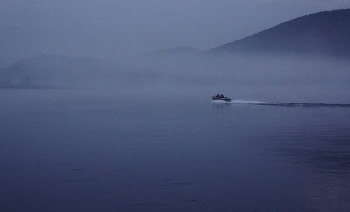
{"x": 114, "y": 28}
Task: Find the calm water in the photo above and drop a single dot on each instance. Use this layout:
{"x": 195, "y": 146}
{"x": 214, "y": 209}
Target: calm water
{"x": 64, "y": 150}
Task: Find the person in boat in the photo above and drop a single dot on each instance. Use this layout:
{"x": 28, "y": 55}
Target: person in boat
{"x": 222, "y": 95}
{"x": 218, "y": 95}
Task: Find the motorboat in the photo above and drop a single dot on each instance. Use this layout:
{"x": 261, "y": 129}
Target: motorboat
{"x": 221, "y": 97}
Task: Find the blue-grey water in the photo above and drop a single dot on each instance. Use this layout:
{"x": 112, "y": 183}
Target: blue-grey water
{"x": 74, "y": 150}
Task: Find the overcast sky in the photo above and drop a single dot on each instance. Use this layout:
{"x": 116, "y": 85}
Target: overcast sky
{"x": 113, "y": 28}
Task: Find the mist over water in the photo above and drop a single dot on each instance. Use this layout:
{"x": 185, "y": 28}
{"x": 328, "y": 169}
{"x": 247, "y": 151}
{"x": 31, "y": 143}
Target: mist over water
{"x": 270, "y": 78}
{"x": 259, "y": 77}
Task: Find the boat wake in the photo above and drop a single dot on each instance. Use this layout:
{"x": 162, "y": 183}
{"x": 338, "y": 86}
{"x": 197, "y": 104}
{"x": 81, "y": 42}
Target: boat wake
{"x": 290, "y": 104}
{"x": 239, "y": 102}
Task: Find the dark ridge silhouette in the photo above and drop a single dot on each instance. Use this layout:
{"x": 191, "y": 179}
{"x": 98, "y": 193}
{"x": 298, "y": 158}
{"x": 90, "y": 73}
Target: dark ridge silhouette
{"x": 326, "y": 33}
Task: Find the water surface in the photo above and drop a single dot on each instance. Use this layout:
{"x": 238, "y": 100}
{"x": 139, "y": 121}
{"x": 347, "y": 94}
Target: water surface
{"x": 76, "y": 150}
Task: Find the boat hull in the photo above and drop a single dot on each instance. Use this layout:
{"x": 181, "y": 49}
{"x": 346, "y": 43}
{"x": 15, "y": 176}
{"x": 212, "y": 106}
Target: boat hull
{"x": 221, "y": 98}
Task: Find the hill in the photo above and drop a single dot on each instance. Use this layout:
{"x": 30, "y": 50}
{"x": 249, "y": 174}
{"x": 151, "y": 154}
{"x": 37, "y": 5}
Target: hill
{"x": 172, "y": 52}
{"x": 325, "y": 33}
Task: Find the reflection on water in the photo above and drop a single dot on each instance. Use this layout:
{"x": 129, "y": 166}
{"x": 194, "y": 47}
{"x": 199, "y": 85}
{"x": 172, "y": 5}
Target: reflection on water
{"x": 99, "y": 152}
